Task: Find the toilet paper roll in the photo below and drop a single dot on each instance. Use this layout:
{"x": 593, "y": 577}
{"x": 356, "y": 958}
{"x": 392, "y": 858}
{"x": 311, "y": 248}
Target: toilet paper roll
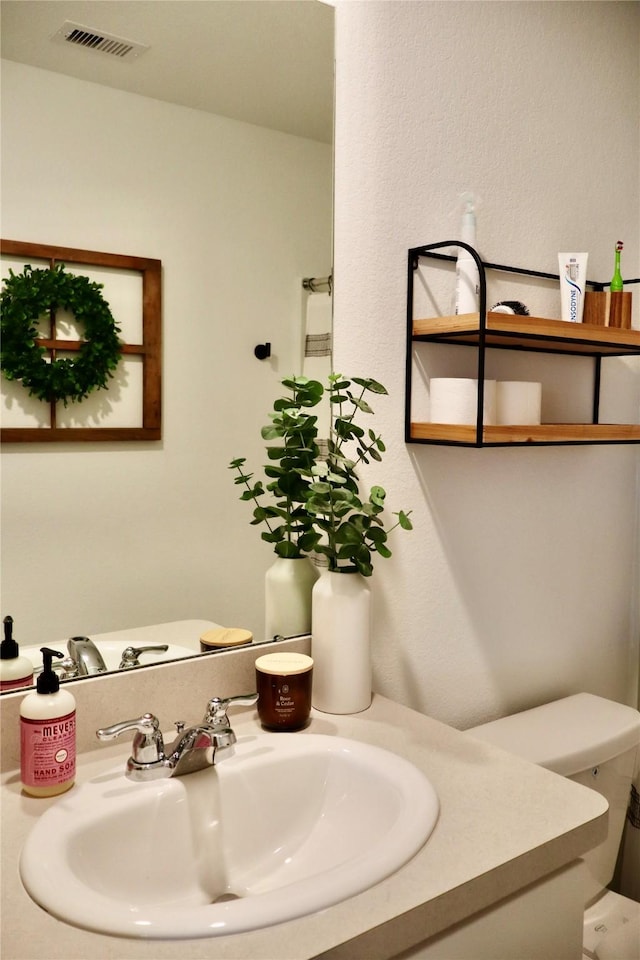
{"x": 455, "y": 400}
{"x": 518, "y": 402}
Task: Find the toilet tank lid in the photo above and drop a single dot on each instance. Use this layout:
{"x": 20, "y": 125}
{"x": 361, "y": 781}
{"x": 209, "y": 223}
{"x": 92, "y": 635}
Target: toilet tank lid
{"x": 568, "y": 735}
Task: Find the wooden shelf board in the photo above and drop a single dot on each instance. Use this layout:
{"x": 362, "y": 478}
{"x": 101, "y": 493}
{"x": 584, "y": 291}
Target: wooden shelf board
{"x": 530, "y": 333}
{"x": 78, "y": 434}
{"x": 546, "y": 433}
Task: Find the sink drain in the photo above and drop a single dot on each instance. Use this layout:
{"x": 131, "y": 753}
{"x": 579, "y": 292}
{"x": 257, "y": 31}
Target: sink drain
{"x": 225, "y": 897}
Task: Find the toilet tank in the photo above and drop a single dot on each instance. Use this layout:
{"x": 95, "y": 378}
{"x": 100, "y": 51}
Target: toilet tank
{"x": 568, "y": 735}
{"x": 589, "y": 739}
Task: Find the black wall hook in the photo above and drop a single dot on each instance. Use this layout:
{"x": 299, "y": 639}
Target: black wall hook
{"x": 262, "y": 351}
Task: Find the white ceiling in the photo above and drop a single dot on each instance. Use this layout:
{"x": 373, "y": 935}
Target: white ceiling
{"x": 267, "y": 62}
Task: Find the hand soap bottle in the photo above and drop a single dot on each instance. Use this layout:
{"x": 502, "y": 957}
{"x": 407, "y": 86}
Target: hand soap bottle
{"x": 48, "y": 735}
{"x": 15, "y": 671}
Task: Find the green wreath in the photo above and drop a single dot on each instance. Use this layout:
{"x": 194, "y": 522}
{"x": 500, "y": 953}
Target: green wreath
{"x": 28, "y": 296}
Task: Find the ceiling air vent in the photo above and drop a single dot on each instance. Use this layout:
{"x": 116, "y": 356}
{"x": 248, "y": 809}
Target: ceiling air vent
{"x": 99, "y": 40}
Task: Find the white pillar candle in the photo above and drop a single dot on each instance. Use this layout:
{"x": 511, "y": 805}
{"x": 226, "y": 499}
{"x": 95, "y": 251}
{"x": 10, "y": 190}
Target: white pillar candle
{"x": 455, "y": 400}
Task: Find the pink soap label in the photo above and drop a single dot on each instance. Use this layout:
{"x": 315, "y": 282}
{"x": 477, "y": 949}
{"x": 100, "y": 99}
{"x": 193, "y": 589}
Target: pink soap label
{"x": 47, "y": 750}
{"x": 14, "y": 684}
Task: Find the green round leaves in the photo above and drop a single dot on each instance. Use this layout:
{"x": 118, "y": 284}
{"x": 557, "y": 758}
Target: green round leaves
{"x": 315, "y": 499}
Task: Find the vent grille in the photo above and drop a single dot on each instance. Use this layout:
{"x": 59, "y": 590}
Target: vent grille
{"x": 99, "y": 40}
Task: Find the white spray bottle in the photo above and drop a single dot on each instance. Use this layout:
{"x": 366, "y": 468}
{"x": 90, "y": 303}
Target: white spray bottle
{"x": 467, "y": 276}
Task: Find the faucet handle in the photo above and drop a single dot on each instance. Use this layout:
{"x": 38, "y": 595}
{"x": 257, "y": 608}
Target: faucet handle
{"x": 148, "y": 745}
{"x": 67, "y": 668}
{"x": 216, "y": 712}
{"x": 130, "y": 655}
{"x": 145, "y": 725}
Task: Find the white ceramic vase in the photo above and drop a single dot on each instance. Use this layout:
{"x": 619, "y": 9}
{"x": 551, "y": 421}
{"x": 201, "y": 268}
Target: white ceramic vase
{"x": 287, "y": 597}
{"x": 341, "y": 643}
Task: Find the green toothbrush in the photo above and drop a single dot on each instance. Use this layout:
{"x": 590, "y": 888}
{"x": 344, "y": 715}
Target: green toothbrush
{"x": 616, "y": 280}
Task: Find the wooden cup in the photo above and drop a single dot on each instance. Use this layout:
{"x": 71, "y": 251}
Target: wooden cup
{"x": 608, "y": 309}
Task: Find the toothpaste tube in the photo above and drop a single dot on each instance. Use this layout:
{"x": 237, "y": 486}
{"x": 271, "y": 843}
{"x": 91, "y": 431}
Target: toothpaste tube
{"x": 573, "y": 276}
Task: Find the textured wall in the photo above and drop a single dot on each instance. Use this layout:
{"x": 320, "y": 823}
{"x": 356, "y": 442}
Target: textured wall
{"x": 520, "y": 581}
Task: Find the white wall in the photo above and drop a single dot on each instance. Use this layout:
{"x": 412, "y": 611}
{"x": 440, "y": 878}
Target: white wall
{"x": 520, "y": 581}
{"x": 97, "y": 537}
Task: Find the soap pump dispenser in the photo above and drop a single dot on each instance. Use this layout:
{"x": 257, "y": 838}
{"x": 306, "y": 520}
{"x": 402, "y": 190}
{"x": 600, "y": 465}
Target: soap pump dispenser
{"x": 48, "y": 734}
{"x": 15, "y": 671}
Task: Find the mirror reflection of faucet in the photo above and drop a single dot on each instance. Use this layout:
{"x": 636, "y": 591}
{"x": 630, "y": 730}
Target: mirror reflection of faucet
{"x": 131, "y": 655}
{"x": 86, "y": 655}
{"x": 66, "y": 669}
{"x": 83, "y": 660}
{"x": 117, "y": 650}
{"x": 193, "y": 749}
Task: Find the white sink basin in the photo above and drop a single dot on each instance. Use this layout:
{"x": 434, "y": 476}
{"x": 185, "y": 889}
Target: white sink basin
{"x": 289, "y": 825}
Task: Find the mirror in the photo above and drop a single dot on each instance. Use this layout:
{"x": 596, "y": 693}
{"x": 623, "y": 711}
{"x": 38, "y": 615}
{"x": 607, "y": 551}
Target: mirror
{"x": 81, "y": 658}
{"x": 229, "y": 183}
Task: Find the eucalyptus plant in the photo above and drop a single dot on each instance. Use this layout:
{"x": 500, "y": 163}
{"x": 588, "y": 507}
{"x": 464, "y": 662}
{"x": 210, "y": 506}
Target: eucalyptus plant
{"x": 350, "y": 526}
{"x": 292, "y": 450}
{"x": 316, "y": 503}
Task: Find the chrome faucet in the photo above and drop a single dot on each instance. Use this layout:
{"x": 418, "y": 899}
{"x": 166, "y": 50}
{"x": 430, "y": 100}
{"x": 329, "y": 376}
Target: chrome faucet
{"x": 87, "y": 656}
{"x": 193, "y": 749}
{"x": 83, "y": 660}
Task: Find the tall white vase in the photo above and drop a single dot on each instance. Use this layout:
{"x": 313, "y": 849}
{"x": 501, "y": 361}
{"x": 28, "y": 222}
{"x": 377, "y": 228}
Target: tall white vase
{"x": 341, "y": 643}
{"x": 287, "y": 597}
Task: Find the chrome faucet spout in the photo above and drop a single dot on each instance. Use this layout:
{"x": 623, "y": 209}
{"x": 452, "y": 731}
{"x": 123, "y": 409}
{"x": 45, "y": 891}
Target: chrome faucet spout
{"x": 87, "y": 656}
{"x": 199, "y": 747}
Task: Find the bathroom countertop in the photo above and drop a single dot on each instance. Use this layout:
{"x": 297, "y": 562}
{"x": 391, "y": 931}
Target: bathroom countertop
{"x": 504, "y": 823}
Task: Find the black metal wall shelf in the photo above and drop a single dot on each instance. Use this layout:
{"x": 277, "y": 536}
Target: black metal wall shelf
{"x": 484, "y": 331}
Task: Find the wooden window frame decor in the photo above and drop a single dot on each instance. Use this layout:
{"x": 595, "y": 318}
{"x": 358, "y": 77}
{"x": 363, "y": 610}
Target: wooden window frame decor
{"x": 149, "y": 351}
